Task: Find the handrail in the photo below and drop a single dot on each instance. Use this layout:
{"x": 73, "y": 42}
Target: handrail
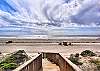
{"x": 76, "y": 68}
{"x": 62, "y": 62}
{"x": 26, "y": 63}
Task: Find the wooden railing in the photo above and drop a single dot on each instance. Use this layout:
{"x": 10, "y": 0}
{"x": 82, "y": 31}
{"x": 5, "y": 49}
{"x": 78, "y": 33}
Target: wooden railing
{"x": 63, "y": 63}
{"x": 34, "y": 64}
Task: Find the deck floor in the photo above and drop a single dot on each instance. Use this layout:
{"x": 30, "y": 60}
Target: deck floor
{"x": 48, "y": 66}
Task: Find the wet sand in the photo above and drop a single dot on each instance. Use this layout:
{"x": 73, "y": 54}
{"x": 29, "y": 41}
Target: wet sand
{"x": 49, "y": 40}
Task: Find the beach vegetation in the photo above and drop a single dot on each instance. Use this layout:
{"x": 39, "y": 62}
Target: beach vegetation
{"x": 96, "y": 62}
{"x": 75, "y": 59}
{"x": 14, "y": 60}
{"x": 87, "y": 53}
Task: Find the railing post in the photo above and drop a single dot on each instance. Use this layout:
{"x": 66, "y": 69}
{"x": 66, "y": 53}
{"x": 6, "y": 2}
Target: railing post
{"x": 31, "y": 66}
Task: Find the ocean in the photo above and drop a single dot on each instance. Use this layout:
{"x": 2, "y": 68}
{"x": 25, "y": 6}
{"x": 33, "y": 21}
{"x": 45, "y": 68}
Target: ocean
{"x": 9, "y": 31}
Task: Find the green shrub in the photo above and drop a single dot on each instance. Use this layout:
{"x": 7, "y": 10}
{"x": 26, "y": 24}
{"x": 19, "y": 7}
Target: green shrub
{"x": 77, "y": 55}
{"x": 9, "y": 59}
{"x": 8, "y": 65}
{"x": 97, "y": 62}
{"x": 87, "y": 53}
{"x": 14, "y": 60}
{"x": 75, "y": 59}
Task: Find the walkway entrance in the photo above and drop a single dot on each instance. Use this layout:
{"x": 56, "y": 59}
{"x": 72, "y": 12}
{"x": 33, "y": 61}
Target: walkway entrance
{"x": 48, "y": 66}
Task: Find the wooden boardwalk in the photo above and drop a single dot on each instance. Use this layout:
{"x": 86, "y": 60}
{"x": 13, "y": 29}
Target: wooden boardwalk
{"x": 48, "y": 66}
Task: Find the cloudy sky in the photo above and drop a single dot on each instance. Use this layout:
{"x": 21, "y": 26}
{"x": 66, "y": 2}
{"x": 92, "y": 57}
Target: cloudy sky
{"x": 29, "y": 17}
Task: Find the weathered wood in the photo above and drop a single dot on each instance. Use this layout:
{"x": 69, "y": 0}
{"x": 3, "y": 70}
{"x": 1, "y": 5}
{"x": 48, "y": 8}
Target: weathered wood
{"x": 33, "y": 64}
{"x": 63, "y": 63}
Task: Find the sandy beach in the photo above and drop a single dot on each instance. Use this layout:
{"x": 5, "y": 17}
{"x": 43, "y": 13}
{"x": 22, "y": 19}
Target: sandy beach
{"x": 35, "y": 46}
{"x": 49, "y": 47}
